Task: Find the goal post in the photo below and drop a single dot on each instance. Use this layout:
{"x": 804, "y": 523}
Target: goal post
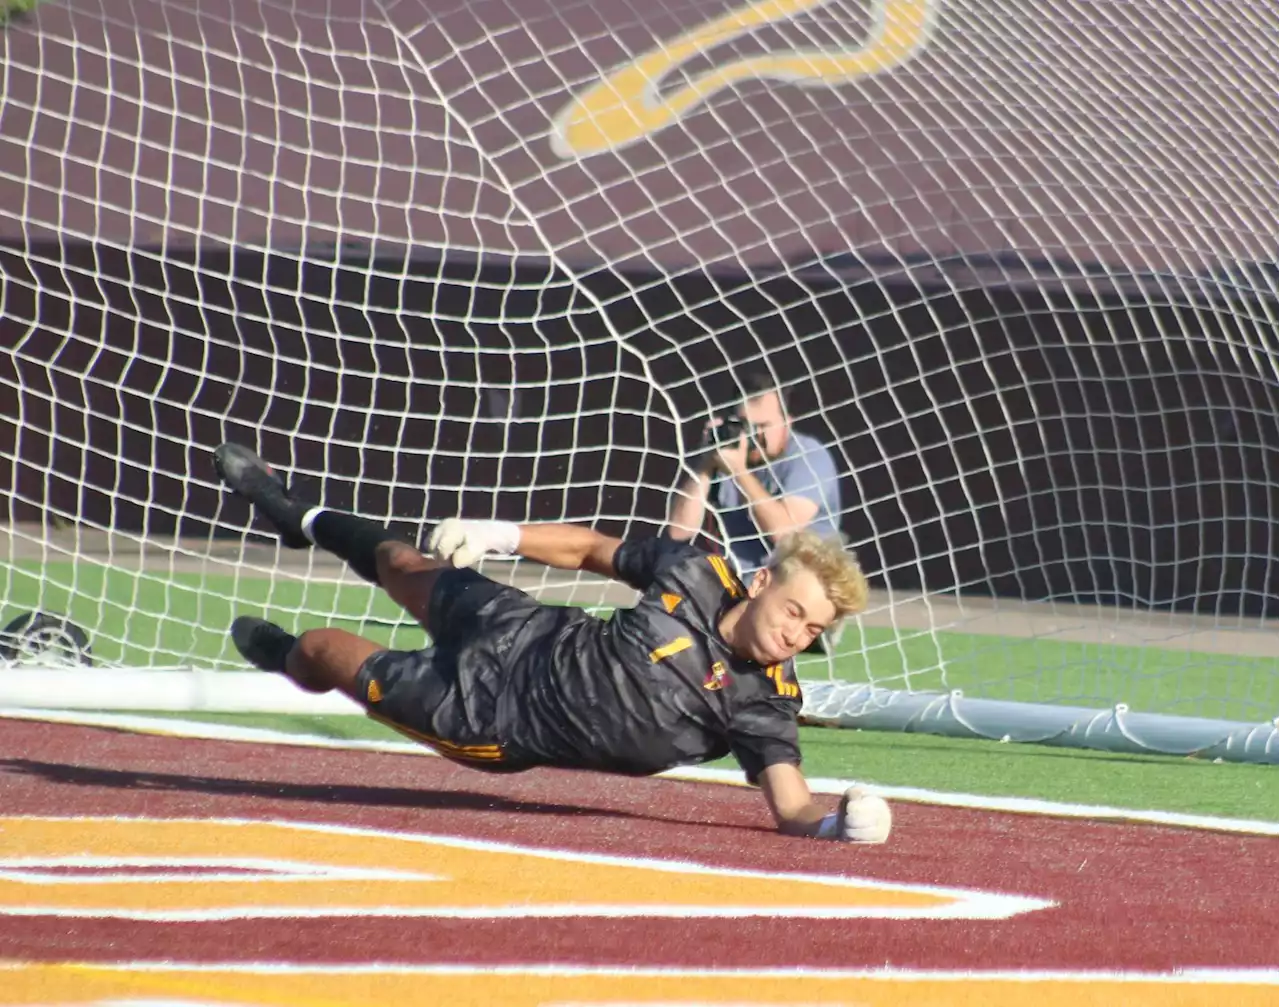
{"x": 1015, "y": 267}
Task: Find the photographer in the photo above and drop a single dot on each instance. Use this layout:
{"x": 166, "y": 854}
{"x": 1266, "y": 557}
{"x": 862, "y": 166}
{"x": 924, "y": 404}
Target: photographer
{"x": 760, "y": 476}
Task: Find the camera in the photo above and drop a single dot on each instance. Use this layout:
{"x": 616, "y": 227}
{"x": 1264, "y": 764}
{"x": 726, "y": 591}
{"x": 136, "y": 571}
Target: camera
{"x": 728, "y": 431}
{"x": 723, "y": 430}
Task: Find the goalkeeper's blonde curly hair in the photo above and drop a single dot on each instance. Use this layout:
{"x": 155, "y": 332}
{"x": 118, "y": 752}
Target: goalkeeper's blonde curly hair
{"x": 826, "y": 558}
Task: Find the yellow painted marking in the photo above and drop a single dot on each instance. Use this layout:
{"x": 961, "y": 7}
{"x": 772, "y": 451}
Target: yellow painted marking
{"x": 670, "y": 601}
{"x": 674, "y": 647}
{"x": 484, "y": 753}
{"x": 727, "y": 578}
{"x": 434, "y": 876}
{"x": 628, "y": 105}
{"x": 68, "y": 985}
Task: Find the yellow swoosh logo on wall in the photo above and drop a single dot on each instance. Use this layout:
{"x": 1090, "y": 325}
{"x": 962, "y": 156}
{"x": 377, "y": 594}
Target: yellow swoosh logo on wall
{"x": 626, "y": 106}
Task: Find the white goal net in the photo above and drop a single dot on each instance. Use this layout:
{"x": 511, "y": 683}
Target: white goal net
{"x": 1013, "y": 263}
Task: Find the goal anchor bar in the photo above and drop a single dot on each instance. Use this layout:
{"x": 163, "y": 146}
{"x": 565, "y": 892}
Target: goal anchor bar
{"x": 1117, "y": 729}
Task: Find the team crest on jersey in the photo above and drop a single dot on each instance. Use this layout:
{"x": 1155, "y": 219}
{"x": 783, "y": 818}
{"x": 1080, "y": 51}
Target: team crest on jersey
{"x": 670, "y": 601}
{"x": 717, "y": 677}
{"x": 374, "y": 692}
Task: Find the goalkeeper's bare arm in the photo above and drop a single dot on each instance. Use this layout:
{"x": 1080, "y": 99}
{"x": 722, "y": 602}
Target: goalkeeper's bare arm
{"x": 699, "y": 668}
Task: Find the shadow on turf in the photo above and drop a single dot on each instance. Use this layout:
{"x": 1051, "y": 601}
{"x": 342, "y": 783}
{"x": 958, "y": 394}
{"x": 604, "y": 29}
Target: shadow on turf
{"x": 357, "y": 794}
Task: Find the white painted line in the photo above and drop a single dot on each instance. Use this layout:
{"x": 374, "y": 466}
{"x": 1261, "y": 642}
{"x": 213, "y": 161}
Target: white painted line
{"x": 1013, "y": 805}
{"x": 80, "y": 870}
{"x": 819, "y": 785}
{"x": 175, "y": 727}
{"x": 572, "y": 910}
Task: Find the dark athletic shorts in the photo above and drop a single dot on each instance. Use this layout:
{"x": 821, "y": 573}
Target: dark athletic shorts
{"x": 446, "y": 695}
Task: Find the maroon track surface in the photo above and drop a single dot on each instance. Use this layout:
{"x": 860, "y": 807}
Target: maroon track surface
{"x": 1130, "y": 896}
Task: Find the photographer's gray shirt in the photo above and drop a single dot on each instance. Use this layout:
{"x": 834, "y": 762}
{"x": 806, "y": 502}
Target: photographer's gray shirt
{"x": 805, "y": 469}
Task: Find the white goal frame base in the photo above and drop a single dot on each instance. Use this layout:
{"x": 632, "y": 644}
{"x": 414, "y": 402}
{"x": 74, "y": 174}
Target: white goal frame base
{"x": 1117, "y": 729}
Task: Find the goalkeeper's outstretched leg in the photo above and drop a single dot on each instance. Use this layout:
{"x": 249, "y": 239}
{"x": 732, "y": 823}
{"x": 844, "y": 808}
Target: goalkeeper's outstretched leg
{"x": 252, "y": 478}
{"x": 319, "y": 660}
{"x": 370, "y": 549}
{"x": 444, "y": 695}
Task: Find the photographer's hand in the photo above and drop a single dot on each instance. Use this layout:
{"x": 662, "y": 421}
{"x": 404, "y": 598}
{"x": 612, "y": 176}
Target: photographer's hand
{"x": 732, "y": 458}
{"x": 704, "y": 460}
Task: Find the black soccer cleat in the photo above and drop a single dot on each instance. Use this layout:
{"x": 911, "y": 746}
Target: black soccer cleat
{"x": 249, "y": 476}
{"x": 263, "y": 644}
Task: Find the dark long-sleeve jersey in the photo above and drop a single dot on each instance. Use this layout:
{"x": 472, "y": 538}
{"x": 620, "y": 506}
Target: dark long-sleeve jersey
{"x": 653, "y": 687}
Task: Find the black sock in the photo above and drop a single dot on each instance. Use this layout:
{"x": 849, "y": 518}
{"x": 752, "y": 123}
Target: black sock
{"x": 354, "y": 539}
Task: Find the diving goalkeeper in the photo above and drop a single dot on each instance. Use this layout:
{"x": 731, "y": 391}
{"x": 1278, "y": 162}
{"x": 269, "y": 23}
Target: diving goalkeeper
{"x": 699, "y": 668}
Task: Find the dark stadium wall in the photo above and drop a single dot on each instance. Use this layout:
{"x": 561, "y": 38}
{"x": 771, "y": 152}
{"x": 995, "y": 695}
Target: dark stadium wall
{"x": 997, "y": 437}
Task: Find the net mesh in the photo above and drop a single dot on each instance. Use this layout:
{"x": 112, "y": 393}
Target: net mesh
{"x": 1013, "y": 264}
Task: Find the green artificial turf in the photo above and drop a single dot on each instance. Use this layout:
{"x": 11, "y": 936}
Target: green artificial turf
{"x": 154, "y": 620}
{"x": 1140, "y": 782}
{"x": 11, "y": 10}
{"x": 181, "y": 619}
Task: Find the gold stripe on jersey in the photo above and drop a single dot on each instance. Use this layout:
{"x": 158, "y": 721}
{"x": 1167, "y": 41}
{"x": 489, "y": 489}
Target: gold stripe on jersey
{"x": 784, "y": 688}
{"x": 667, "y": 649}
{"x": 473, "y": 753}
{"x": 727, "y": 578}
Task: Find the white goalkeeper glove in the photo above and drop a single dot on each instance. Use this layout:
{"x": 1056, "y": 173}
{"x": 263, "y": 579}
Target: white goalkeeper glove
{"x": 863, "y": 818}
{"x": 464, "y": 543}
